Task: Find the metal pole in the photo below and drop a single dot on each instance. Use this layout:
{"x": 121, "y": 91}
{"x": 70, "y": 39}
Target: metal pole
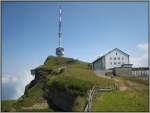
{"x": 60, "y": 31}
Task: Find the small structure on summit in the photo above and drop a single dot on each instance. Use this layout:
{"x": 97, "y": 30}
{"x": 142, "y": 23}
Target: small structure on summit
{"x": 60, "y": 50}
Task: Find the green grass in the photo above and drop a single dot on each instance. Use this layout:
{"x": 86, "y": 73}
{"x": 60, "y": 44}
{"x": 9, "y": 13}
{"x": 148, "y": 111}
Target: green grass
{"x": 39, "y": 110}
{"x": 7, "y": 105}
{"x": 53, "y": 61}
{"x": 33, "y": 96}
{"x": 134, "y": 79}
{"x": 120, "y": 101}
{"x": 129, "y": 100}
{"x": 76, "y": 80}
{"x": 77, "y": 86}
{"x": 81, "y": 79}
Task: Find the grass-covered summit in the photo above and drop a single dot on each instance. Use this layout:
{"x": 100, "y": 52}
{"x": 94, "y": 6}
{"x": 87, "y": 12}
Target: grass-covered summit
{"x": 60, "y": 84}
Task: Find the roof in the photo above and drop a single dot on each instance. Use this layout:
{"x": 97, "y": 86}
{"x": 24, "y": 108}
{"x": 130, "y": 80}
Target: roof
{"x": 110, "y": 52}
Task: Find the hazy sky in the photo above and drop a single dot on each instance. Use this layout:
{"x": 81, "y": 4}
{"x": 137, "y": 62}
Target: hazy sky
{"x": 90, "y": 29}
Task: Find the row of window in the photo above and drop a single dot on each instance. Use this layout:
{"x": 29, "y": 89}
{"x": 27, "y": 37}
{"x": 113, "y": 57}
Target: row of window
{"x": 116, "y": 58}
{"x": 115, "y": 63}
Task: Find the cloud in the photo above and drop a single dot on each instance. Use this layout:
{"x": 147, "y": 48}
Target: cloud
{"x": 8, "y": 78}
{"x": 13, "y": 86}
{"x": 140, "y": 60}
{"x": 143, "y": 46}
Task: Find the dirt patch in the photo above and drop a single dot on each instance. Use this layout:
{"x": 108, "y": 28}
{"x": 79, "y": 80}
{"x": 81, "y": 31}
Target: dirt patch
{"x": 102, "y": 75}
{"x": 120, "y": 83}
{"x": 122, "y": 86}
{"x": 99, "y": 98}
{"x": 126, "y": 84}
{"x": 39, "y": 106}
{"x": 134, "y": 85}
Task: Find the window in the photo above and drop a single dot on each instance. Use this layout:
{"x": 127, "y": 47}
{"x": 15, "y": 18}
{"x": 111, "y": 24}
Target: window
{"x": 118, "y": 62}
{"x": 110, "y": 63}
{"x": 114, "y": 63}
{"x": 110, "y": 58}
{"x": 122, "y": 58}
{"x": 118, "y": 58}
{"x": 114, "y": 58}
{"x": 116, "y": 53}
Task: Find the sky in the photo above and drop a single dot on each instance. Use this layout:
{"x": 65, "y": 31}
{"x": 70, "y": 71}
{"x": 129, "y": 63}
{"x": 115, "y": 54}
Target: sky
{"x": 90, "y": 29}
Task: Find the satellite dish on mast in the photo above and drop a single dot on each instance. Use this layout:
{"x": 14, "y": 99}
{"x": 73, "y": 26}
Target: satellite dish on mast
{"x": 59, "y": 50}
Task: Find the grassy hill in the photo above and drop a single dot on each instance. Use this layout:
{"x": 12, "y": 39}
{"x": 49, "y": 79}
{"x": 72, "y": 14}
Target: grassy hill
{"x": 133, "y": 97}
{"x": 60, "y": 84}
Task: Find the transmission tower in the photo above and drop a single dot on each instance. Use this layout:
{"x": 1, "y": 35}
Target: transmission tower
{"x": 60, "y": 50}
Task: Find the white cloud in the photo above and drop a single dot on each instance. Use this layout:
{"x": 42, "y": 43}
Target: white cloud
{"x": 140, "y": 60}
{"x": 5, "y": 79}
{"x": 143, "y": 46}
{"x": 23, "y": 80}
{"x": 13, "y": 86}
{"x": 9, "y": 79}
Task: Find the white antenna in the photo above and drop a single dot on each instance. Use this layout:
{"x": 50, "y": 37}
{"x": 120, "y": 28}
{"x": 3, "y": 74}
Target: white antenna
{"x": 60, "y": 50}
{"x": 59, "y": 23}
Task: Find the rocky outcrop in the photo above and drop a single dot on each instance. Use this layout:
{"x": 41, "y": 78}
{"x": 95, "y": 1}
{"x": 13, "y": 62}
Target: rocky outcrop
{"x": 54, "y": 84}
{"x": 60, "y": 98}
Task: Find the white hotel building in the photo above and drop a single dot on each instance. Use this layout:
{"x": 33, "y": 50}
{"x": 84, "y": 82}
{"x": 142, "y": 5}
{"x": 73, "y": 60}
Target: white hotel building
{"x": 114, "y": 58}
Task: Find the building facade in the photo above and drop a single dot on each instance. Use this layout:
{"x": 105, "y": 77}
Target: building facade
{"x": 114, "y": 58}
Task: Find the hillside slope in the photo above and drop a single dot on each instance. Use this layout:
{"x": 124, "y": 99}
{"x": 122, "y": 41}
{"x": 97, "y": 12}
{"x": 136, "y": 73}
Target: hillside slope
{"x": 60, "y": 84}
{"x": 133, "y": 96}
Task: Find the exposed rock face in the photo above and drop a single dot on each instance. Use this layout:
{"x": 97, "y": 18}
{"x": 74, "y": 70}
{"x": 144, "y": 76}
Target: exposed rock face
{"x": 40, "y": 72}
{"x": 60, "y": 98}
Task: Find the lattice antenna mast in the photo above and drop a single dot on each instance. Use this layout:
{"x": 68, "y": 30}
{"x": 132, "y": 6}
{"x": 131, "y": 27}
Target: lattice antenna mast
{"x": 60, "y": 24}
{"x": 60, "y": 50}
